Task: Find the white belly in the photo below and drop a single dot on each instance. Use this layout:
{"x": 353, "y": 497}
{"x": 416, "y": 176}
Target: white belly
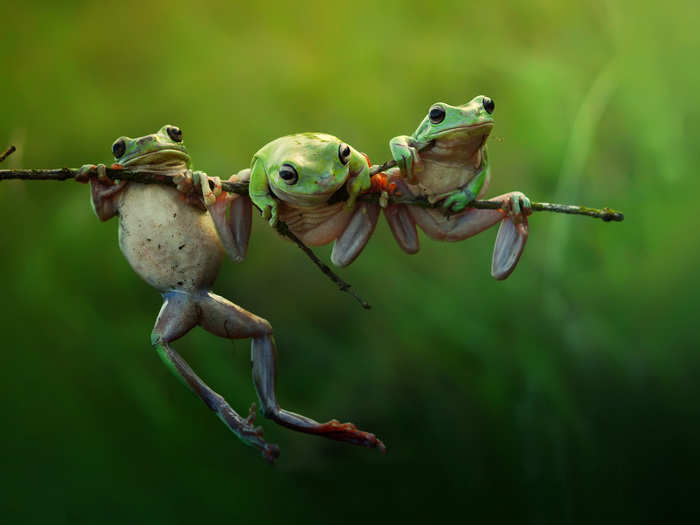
{"x": 169, "y": 243}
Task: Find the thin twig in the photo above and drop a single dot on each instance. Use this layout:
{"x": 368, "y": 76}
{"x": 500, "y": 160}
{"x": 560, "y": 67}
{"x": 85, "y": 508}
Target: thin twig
{"x": 241, "y": 188}
{"x": 9, "y": 151}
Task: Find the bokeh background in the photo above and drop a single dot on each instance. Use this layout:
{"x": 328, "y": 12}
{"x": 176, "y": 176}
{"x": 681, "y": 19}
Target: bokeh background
{"x": 565, "y": 394}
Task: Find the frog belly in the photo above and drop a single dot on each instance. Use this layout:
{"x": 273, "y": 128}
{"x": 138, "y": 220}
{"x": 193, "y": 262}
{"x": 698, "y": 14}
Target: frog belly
{"x": 169, "y": 243}
{"x": 316, "y": 225}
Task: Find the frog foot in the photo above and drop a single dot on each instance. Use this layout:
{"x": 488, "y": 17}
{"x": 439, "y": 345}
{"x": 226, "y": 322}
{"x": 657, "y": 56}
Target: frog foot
{"x": 253, "y": 436}
{"x": 349, "y": 433}
{"x": 91, "y": 170}
{"x": 457, "y": 201}
{"x": 184, "y": 182}
{"x": 517, "y": 206}
{"x": 209, "y": 194}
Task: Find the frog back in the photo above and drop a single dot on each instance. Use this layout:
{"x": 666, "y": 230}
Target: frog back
{"x": 169, "y": 243}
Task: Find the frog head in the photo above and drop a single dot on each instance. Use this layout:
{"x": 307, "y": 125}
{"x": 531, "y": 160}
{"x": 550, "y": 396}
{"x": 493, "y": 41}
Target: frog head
{"x": 163, "y": 149}
{"x": 307, "y": 168}
{"x": 459, "y": 132}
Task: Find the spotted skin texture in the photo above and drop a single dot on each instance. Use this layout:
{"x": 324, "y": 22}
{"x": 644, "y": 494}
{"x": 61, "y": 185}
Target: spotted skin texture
{"x": 176, "y": 241}
{"x": 446, "y": 161}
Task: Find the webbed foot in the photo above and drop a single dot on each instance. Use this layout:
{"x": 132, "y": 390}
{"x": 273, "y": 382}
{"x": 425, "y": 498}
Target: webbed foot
{"x": 86, "y": 171}
{"x": 406, "y": 156}
{"x": 512, "y": 235}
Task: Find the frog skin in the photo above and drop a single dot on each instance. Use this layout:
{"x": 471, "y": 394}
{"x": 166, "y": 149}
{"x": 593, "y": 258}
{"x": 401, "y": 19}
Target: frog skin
{"x": 446, "y": 161}
{"x": 177, "y": 248}
{"x": 292, "y": 178}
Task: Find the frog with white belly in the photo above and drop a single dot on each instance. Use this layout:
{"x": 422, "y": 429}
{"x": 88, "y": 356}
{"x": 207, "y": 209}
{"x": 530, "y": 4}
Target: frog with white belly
{"x": 176, "y": 244}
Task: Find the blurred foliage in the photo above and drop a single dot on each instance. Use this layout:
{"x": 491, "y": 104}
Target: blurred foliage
{"x": 567, "y": 393}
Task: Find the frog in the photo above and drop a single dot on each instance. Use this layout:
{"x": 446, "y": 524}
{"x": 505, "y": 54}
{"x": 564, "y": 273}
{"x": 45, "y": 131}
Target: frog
{"x": 175, "y": 240}
{"x": 446, "y": 162}
{"x": 299, "y": 179}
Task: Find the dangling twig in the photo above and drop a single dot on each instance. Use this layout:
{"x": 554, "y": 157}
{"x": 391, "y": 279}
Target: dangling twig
{"x": 9, "y": 151}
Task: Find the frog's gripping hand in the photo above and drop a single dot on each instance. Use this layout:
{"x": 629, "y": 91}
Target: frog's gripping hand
{"x": 259, "y": 191}
{"x": 403, "y": 150}
{"x": 360, "y": 180}
{"x": 103, "y": 190}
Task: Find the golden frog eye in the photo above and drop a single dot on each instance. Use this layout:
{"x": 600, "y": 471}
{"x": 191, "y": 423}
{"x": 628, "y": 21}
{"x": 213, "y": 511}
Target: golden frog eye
{"x": 344, "y": 153}
{"x": 175, "y": 133}
{"x": 288, "y": 174}
{"x": 489, "y": 105}
{"x": 119, "y": 147}
{"x": 436, "y": 114}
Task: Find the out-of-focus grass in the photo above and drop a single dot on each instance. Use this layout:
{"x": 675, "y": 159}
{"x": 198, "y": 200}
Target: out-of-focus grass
{"x": 567, "y": 393}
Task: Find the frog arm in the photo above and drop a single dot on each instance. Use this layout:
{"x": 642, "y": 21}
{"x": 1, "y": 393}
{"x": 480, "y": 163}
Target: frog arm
{"x": 356, "y": 234}
{"x": 103, "y": 190}
{"x": 458, "y": 200}
{"x": 405, "y": 153}
{"x": 359, "y": 181}
{"x": 259, "y": 191}
{"x": 232, "y": 215}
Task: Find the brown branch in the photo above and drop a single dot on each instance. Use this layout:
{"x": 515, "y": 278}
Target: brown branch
{"x": 9, "y": 151}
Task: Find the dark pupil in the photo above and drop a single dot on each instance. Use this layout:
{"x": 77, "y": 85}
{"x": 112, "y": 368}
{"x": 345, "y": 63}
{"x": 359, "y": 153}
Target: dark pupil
{"x": 346, "y": 151}
{"x": 489, "y": 105}
{"x": 118, "y": 149}
{"x": 175, "y": 134}
{"x": 437, "y": 114}
{"x": 287, "y": 173}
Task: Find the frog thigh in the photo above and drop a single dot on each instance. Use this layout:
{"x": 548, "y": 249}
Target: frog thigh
{"x": 327, "y": 230}
{"x": 356, "y": 234}
{"x": 455, "y": 227}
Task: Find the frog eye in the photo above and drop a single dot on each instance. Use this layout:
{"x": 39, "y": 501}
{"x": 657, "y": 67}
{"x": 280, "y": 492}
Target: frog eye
{"x": 174, "y": 133}
{"x": 489, "y": 105}
{"x": 344, "y": 153}
{"x": 288, "y": 174}
{"x": 119, "y": 147}
{"x": 436, "y": 114}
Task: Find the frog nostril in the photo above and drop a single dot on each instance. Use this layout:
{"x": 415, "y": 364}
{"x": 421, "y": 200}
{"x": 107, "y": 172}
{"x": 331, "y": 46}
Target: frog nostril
{"x": 489, "y": 105}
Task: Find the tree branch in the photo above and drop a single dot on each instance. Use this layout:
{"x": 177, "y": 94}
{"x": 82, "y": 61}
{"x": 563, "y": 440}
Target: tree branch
{"x": 9, "y": 151}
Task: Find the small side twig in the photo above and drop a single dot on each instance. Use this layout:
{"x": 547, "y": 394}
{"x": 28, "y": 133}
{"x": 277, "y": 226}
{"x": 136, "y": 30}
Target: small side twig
{"x": 9, "y": 151}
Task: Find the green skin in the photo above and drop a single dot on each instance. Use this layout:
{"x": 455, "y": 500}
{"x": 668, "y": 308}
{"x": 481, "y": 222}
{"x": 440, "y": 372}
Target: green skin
{"x": 460, "y": 125}
{"x": 446, "y": 160}
{"x": 177, "y": 248}
{"x": 320, "y": 169}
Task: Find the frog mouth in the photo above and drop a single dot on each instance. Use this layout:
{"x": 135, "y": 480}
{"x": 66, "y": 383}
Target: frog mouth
{"x": 160, "y": 157}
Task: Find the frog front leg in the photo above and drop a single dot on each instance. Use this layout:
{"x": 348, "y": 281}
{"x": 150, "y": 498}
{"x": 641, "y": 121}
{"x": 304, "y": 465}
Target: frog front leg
{"x": 459, "y": 200}
{"x": 103, "y": 190}
{"x": 232, "y": 215}
{"x": 179, "y": 314}
{"x": 404, "y": 150}
{"x": 259, "y": 191}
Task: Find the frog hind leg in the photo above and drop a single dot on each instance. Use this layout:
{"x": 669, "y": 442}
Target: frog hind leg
{"x": 401, "y": 223}
{"x": 509, "y": 245}
{"x": 223, "y": 318}
{"x": 179, "y": 314}
{"x": 233, "y": 217}
{"x": 356, "y": 234}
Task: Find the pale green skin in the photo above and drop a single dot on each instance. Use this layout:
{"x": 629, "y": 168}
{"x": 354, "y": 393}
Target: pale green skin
{"x": 446, "y": 177}
{"x": 320, "y": 170}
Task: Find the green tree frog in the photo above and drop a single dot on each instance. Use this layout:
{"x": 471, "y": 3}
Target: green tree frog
{"x": 303, "y": 172}
{"x": 446, "y": 160}
{"x": 176, "y": 245}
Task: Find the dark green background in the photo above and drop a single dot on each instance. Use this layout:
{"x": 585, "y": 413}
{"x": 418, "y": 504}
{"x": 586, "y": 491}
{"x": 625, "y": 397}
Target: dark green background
{"x": 568, "y": 393}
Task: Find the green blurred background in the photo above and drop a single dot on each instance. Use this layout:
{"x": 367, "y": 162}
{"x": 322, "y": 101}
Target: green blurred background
{"x": 565, "y": 394}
